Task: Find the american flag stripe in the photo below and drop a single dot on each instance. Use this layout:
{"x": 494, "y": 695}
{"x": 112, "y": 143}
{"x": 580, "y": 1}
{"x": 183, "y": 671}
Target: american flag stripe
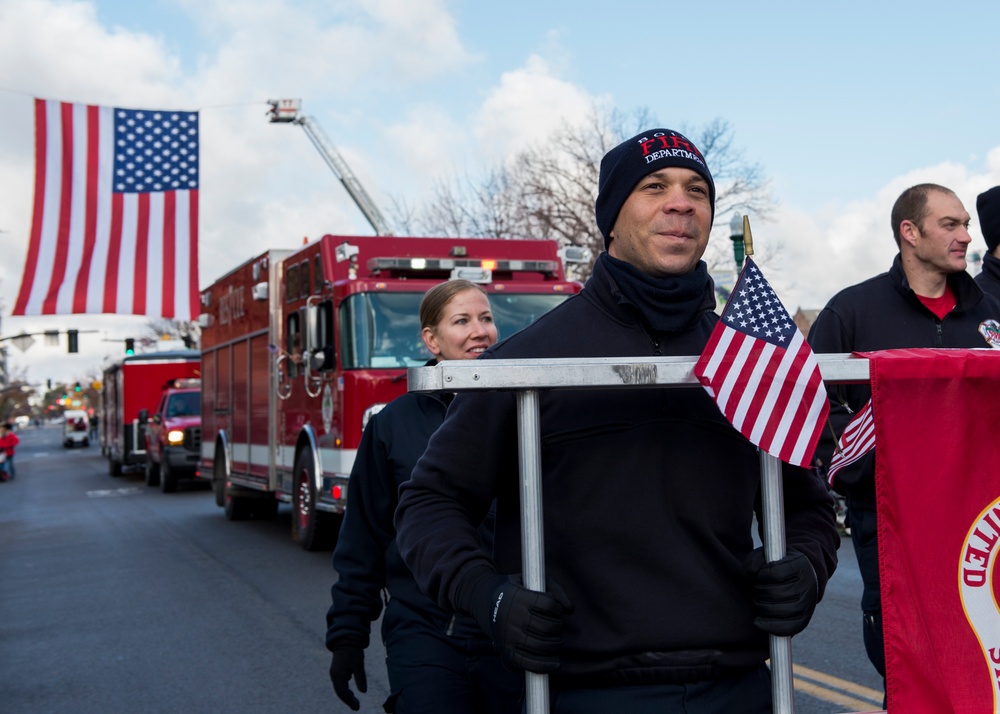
{"x": 99, "y": 243}
{"x": 856, "y": 441}
{"x": 90, "y": 225}
{"x": 762, "y": 374}
{"x": 756, "y": 410}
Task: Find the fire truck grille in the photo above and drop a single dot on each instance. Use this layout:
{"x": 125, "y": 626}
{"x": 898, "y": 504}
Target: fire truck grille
{"x": 192, "y": 438}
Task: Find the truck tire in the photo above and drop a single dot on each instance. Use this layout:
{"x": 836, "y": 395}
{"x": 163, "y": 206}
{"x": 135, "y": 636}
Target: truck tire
{"x": 152, "y": 472}
{"x": 311, "y": 529}
{"x": 265, "y": 509}
{"x": 238, "y": 508}
{"x": 168, "y": 479}
{"x": 219, "y": 476}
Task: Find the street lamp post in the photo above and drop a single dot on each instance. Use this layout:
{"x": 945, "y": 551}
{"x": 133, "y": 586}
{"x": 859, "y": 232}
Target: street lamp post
{"x": 736, "y": 235}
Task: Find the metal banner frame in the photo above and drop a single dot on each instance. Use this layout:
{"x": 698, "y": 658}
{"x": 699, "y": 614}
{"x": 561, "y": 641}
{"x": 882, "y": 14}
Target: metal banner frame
{"x": 528, "y": 377}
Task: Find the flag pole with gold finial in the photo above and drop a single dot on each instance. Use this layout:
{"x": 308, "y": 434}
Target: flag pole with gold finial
{"x": 782, "y": 685}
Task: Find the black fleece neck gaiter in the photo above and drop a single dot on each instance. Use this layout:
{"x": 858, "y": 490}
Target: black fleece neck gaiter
{"x": 666, "y": 304}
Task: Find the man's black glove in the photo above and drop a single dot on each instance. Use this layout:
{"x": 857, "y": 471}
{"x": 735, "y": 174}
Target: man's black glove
{"x": 525, "y": 625}
{"x": 784, "y": 592}
{"x": 348, "y": 661}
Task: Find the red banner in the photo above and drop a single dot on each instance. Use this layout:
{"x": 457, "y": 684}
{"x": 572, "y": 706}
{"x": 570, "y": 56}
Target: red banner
{"x": 938, "y": 489}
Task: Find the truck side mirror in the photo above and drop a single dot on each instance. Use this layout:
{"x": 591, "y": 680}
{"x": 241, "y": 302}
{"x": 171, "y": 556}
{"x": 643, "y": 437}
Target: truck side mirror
{"x": 321, "y": 359}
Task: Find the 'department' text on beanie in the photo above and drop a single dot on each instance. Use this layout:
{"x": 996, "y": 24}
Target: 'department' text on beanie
{"x": 627, "y": 163}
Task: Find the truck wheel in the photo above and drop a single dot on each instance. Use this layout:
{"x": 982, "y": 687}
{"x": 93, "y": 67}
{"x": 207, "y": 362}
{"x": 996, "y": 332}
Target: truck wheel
{"x": 168, "y": 479}
{"x": 152, "y": 473}
{"x": 219, "y": 477}
{"x": 311, "y": 529}
{"x": 237, "y": 508}
{"x": 265, "y": 509}
{"x": 114, "y": 467}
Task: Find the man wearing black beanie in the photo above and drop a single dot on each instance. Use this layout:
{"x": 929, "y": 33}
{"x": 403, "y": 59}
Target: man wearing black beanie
{"x": 988, "y": 208}
{"x": 656, "y": 599}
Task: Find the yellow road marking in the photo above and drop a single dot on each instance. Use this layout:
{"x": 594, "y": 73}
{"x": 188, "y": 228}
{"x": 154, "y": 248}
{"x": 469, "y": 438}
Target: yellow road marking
{"x": 836, "y": 691}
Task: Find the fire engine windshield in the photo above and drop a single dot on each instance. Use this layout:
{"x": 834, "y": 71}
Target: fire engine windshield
{"x": 382, "y": 330}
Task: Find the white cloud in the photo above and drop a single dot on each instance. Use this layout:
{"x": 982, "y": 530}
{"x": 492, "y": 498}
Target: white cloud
{"x": 529, "y": 104}
{"x": 823, "y": 254}
{"x": 431, "y": 143}
{"x": 313, "y": 49}
{"x": 526, "y": 106}
{"x": 62, "y": 48}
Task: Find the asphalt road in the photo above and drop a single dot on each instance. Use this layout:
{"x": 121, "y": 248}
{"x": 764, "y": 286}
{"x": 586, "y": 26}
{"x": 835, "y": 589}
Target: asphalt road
{"x": 115, "y": 597}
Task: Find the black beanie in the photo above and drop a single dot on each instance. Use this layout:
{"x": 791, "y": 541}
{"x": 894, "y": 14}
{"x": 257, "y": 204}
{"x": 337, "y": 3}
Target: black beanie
{"x": 625, "y": 165}
{"x": 988, "y": 207}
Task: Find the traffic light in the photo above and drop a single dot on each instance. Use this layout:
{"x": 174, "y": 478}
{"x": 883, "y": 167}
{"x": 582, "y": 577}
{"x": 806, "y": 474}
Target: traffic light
{"x": 72, "y": 337}
{"x": 77, "y": 388}
{"x": 129, "y": 346}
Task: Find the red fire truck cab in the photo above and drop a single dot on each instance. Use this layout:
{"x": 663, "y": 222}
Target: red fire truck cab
{"x": 300, "y": 348}
{"x": 173, "y": 434}
{"x": 129, "y": 387}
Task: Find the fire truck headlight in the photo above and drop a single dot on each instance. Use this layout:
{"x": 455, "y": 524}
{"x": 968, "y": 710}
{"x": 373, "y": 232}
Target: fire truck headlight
{"x": 175, "y": 437}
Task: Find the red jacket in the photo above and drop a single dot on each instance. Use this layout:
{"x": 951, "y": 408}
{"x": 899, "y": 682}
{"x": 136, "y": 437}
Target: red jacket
{"x": 7, "y": 443}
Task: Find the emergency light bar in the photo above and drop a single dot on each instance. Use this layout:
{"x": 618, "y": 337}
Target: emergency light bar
{"x": 482, "y": 276}
{"x": 513, "y": 266}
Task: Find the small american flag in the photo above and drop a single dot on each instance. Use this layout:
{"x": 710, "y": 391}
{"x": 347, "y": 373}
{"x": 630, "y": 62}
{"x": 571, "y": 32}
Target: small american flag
{"x": 115, "y": 223}
{"x": 762, "y": 373}
{"x": 856, "y": 441}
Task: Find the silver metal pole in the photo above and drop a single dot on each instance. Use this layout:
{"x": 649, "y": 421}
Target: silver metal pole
{"x": 774, "y": 549}
{"x": 532, "y": 533}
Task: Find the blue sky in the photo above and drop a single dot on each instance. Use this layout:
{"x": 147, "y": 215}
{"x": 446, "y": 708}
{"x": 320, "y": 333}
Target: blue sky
{"x": 843, "y": 105}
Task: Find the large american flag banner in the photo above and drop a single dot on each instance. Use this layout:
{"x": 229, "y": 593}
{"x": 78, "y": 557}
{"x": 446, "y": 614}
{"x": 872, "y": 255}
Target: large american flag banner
{"x": 762, "y": 373}
{"x": 115, "y": 222}
{"x": 856, "y": 441}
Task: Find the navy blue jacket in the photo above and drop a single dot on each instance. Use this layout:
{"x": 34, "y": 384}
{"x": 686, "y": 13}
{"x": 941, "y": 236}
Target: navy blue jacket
{"x": 884, "y": 313}
{"x": 649, "y": 496}
{"x": 989, "y": 278}
{"x": 366, "y": 557}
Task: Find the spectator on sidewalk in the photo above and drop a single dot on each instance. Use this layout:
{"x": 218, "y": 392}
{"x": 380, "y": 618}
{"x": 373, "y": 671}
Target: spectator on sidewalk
{"x": 8, "y": 442}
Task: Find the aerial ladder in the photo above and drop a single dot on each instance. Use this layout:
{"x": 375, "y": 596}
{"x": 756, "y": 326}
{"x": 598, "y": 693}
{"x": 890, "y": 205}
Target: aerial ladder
{"x": 289, "y": 111}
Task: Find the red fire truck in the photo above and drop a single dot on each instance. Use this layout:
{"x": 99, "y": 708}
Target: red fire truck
{"x": 300, "y": 348}
{"x": 129, "y": 387}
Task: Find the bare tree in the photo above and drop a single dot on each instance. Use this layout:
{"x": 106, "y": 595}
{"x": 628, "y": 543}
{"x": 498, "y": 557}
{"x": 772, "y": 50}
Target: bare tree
{"x": 548, "y": 190}
{"x": 14, "y": 395}
{"x": 160, "y": 328}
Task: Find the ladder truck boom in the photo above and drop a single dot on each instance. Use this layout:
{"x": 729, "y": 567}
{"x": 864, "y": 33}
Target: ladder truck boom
{"x": 288, "y": 111}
